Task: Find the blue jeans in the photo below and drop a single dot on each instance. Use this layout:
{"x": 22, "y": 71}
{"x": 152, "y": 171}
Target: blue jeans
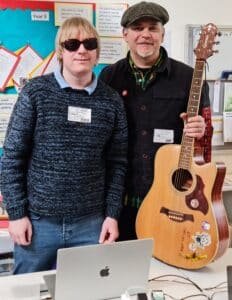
{"x": 50, "y": 234}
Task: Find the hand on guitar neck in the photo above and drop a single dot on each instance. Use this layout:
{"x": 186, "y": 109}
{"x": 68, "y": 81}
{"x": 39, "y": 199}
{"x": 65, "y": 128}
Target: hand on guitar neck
{"x": 193, "y": 126}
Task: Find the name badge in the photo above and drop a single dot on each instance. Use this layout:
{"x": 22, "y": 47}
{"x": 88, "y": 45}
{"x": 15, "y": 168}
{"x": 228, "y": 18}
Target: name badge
{"x": 79, "y": 114}
{"x": 163, "y": 136}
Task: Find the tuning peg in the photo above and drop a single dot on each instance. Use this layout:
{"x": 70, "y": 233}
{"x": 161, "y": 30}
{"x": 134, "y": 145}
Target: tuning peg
{"x": 219, "y": 33}
{"x": 215, "y": 51}
{"x": 216, "y": 43}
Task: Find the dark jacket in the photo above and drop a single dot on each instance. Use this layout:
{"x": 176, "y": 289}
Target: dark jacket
{"x": 157, "y": 107}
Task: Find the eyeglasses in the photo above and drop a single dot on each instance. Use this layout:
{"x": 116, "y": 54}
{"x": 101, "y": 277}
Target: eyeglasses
{"x": 74, "y": 44}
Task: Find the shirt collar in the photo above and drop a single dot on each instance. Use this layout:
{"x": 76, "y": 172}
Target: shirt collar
{"x": 164, "y": 65}
{"x": 64, "y": 84}
{"x": 144, "y": 77}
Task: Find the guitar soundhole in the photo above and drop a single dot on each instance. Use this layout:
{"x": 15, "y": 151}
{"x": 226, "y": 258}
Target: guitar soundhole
{"x": 182, "y": 180}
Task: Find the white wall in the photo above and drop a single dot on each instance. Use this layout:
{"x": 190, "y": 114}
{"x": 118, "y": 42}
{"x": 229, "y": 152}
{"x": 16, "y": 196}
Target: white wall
{"x": 184, "y": 12}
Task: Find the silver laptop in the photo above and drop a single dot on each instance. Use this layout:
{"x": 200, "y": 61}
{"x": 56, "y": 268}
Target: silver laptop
{"x": 102, "y": 271}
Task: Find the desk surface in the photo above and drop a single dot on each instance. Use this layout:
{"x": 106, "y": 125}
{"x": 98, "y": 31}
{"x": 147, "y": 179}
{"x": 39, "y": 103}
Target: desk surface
{"x": 207, "y": 277}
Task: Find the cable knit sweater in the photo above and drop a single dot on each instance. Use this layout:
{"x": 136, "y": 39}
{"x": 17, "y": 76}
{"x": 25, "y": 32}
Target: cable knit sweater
{"x": 56, "y": 167}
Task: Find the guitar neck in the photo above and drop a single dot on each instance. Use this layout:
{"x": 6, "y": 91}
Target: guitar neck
{"x": 187, "y": 143}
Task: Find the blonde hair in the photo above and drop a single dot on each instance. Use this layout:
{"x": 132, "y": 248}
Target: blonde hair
{"x": 71, "y": 28}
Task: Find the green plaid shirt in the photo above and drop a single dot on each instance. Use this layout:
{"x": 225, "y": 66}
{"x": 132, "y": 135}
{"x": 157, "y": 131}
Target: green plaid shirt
{"x": 144, "y": 76}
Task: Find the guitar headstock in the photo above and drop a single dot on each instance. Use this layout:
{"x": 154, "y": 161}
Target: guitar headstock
{"x": 204, "y": 47}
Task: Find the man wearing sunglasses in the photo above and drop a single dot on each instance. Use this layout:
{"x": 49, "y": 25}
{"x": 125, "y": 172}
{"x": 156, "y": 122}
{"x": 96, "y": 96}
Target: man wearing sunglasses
{"x": 64, "y": 157}
{"x": 155, "y": 90}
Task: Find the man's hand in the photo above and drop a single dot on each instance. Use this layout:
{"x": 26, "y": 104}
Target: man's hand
{"x": 21, "y": 231}
{"x": 194, "y": 126}
{"x": 109, "y": 232}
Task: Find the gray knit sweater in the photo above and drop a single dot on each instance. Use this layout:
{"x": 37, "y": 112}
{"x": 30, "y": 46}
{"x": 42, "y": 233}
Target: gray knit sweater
{"x": 56, "y": 167}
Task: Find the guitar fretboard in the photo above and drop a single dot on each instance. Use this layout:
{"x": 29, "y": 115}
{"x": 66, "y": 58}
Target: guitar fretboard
{"x": 187, "y": 144}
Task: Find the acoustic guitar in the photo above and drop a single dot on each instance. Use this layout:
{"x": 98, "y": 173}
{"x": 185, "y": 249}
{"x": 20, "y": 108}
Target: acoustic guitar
{"x": 183, "y": 211}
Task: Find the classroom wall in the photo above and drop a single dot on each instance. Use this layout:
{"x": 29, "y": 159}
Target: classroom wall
{"x": 193, "y": 12}
{"x": 184, "y": 12}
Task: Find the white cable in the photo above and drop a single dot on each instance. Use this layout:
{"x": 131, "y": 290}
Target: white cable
{"x": 133, "y": 290}
{"x": 125, "y": 296}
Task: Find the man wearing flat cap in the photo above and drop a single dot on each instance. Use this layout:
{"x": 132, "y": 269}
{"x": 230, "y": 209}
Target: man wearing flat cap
{"x": 144, "y": 10}
{"x": 155, "y": 89}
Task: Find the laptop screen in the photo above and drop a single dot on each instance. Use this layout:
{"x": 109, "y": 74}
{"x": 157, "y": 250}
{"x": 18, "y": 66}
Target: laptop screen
{"x": 103, "y": 271}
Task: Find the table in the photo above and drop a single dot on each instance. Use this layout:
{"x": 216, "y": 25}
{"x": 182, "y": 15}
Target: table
{"x": 207, "y": 277}
{"x": 26, "y": 286}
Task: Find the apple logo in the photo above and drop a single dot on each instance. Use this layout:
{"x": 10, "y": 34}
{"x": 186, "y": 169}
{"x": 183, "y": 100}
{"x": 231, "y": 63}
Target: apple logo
{"x": 105, "y": 272}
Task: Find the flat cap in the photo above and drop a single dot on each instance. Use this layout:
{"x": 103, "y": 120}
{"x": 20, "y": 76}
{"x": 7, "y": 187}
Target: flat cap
{"x": 144, "y": 10}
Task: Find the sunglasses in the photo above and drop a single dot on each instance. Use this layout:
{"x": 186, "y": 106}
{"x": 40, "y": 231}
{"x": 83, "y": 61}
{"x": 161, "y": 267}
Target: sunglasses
{"x": 74, "y": 44}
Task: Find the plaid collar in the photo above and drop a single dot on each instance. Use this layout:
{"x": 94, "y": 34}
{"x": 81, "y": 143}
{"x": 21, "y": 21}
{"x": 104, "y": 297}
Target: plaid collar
{"x": 144, "y": 76}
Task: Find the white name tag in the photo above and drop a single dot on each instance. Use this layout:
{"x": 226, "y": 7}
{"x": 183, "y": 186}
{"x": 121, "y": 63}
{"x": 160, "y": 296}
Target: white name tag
{"x": 79, "y": 114}
{"x": 163, "y": 136}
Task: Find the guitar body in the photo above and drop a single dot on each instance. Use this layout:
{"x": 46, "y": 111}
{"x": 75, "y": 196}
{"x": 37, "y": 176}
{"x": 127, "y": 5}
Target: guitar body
{"x": 182, "y": 211}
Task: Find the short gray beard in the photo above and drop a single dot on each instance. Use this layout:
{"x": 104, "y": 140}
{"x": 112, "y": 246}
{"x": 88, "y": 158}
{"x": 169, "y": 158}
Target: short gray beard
{"x": 145, "y": 54}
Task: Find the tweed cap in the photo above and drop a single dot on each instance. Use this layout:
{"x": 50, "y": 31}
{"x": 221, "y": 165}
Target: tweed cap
{"x": 144, "y": 10}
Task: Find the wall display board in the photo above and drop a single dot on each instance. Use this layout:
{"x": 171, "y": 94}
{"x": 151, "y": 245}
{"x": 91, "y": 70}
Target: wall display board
{"x": 27, "y": 23}
{"x": 24, "y": 25}
{"x": 65, "y": 10}
{"x": 221, "y": 61}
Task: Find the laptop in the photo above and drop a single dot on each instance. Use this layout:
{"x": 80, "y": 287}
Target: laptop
{"x": 103, "y": 271}
{"x": 229, "y": 282}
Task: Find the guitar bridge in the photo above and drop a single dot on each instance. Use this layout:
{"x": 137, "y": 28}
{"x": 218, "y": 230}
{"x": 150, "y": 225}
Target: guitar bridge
{"x": 176, "y": 216}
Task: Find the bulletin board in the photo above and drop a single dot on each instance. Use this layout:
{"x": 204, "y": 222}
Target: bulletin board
{"x": 19, "y": 29}
{"x": 220, "y": 61}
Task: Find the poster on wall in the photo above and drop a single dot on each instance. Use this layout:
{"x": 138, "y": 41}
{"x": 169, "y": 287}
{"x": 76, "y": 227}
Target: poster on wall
{"x": 7, "y": 103}
{"x": 8, "y": 63}
{"x": 227, "y": 112}
{"x": 108, "y": 17}
{"x": 64, "y": 10}
{"x": 29, "y": 59}
{"x": 112, "y": 49}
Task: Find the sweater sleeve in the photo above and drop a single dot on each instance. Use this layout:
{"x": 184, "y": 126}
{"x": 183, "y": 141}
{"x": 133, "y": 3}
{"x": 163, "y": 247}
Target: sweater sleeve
{"x": 16, "y": 156}
{"x": 116, "y": 163}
